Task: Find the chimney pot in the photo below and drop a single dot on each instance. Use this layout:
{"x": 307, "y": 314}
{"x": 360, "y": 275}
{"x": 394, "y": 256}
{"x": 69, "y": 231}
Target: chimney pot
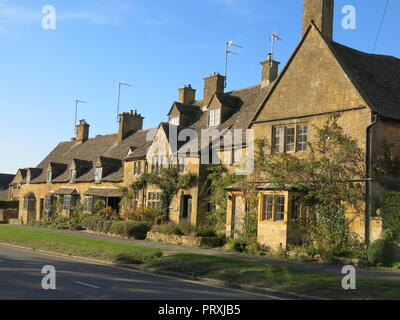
{"x": 129, "y": 123}
{"x": 82, "y": 132}
{"x": 187, "y": 94}
{"x": 269, "y": 71}
{"x": 212, "y": 85}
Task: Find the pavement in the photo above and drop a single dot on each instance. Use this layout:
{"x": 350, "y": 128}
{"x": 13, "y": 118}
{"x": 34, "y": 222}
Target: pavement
{"x": 21, "y": 279}
{"x": 393, "y": 276}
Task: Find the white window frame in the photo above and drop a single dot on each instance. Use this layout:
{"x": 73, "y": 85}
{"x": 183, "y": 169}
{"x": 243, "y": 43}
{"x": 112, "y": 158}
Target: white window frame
{"x": 175, "y": 121}
{"x": 214, "y": 117}
{"x": 280, "y": 139}
{"x": 98, "y": 175}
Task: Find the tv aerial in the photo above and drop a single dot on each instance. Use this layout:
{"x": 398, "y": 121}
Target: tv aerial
{"x": 274, "y": 37}
{"x": 228, "y": 51}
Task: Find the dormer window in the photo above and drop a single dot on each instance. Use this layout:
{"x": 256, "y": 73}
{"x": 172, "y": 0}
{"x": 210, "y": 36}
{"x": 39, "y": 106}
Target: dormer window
{"x": 49, "y": 176}
{"x": 214, "y": 117}
{"x": 98, "y": 174}
{"x": 72, "y": 175}
{"x": 174, "y": 121}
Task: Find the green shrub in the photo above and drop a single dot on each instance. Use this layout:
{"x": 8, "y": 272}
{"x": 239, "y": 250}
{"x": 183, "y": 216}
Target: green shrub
{"x": 130, "y": 229}
{"x": 389, "y": 235}
{"x": 237, "y": 245}
{"x": 381, "y": 253}
{"x": 59, "y": 222}
{"x": 396, "y": 266}
{"x": 186, "y": 228}
{"x": 94, "y": 223}
{"x": 168, "y": 228}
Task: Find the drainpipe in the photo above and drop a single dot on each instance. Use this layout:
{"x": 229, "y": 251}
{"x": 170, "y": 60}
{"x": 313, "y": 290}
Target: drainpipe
{"x": 368, "y": 168}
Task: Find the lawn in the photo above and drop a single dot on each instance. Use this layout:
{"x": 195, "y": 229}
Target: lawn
{"x": 229, "y": 270}
{"x": 77, "y": 246}
{"x": 273, "y": 277}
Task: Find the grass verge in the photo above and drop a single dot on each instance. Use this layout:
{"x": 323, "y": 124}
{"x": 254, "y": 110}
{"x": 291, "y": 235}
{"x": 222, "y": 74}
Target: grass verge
{"x": 274, "y": 277}
{"x": 229, "y": 270}
{"x": 77, "y": 246}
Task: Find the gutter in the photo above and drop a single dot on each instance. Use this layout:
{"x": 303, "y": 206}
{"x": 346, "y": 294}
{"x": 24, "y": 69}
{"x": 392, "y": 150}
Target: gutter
{"x": 368, "y": 168}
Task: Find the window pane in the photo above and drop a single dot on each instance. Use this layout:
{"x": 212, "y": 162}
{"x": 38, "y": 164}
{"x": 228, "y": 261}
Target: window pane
{"x": 290, "y": 139}
{"x": 214, "y": 117}
{"x": 302, "y": 132}
{"x": 280, "y": 208}
{"x": 268, "y": 207}
{"x": 278, "y": 139}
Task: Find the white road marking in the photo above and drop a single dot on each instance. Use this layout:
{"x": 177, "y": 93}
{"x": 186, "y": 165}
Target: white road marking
{"x": 87, "y": 285}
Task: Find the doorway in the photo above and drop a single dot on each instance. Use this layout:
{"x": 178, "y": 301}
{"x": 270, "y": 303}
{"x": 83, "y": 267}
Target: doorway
{"x": 187, "y": 207}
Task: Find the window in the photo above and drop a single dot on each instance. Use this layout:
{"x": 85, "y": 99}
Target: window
{"x": 174, "y": 121}
{"x": 280, "y": 208}
{"x": 273, "y": 208}
{"x": 67, "y": 203}
{"x": 158, "y": 163}
{"x": 289, "y": 139}
{"x": 214, "y": 117}
{"x": 88, "y": 204}
{"x": 72, "y": 175}
{"x": 278, "y": 139}
{"x": 137, "y": 168}
{"x": 98, "y": 174}
{"x": 153, "y": 200}
{"x": 302, "y": 132}
{"x": 268, "y": 208}
{"x": 49, "y": 176}
{"x": 182, "y": 164}
{"x": 295, "y": 214}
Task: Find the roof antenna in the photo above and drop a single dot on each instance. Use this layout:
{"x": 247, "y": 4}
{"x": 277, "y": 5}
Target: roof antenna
{"x": 273, "y": 39}
{"x": 229, "y": 44}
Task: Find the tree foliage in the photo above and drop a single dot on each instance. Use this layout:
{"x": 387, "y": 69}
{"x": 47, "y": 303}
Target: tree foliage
{"x": 168, "y": 180}
{"x": 327, "y": 175}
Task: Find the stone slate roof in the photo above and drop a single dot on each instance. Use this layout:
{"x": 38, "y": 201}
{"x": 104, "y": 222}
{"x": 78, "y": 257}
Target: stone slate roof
{"x": 104, "y": 192}
{"x": 88, "y": 154}
{"x": 377, "y": 77}
{"x": 244, "y": 104}
{"x": 5, "y": 180}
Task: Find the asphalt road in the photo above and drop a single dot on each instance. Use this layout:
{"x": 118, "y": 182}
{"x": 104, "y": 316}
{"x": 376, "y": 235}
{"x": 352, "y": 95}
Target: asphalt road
{"x": 21, "y": 278}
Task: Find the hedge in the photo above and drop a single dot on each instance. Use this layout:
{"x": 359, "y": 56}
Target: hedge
{"x": 128, "y": 229}
{"x": 9, "y": 204}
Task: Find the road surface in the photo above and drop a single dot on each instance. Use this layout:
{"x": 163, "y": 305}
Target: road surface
{"x": 21, "y": 278}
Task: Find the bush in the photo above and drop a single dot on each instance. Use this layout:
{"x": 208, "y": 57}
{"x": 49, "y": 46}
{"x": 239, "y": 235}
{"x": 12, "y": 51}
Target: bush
{"x": 59, "y": 222}
{"x": 146, "y": 215}
{"x": 130, "y": 229}
{"x": 396, "y": 266}
{"x": 94, "y": 223}
{"x": 237, "y": 245}
{"x": 381, "y": 253}
{"x": 206, "y": 231}
{"x": 168, "y": 228}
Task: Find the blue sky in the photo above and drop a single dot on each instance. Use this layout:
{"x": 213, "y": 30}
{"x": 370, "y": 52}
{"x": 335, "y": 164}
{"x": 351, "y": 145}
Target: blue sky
{"x": 156, "y": 45}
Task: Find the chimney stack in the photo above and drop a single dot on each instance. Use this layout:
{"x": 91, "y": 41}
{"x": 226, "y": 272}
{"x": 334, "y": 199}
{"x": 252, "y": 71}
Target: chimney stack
{"x": 82, "y": 132}
{"x": 322, "y": 13}
{"x": 187, "y": 95}
{"x": 269, "y": 71}
{"x": 213, "y": 84}
{"x": 129, "y": 123}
